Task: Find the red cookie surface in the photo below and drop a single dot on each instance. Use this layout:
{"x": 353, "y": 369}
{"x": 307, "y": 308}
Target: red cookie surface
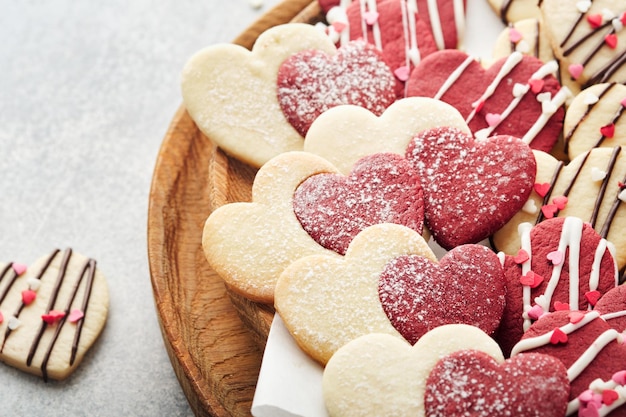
{"x": 382, "y": 188}
{"x": 517, "y": 95}
{"x": 585, "y": 343}
{"x": 471, "y": 188}
{"x": 310, "y": 82}
{"x": 466, "y": 287}
{"x": 564, "y": 264}
{"x": 612, "y": 306}
{"x": 471, "y": 383}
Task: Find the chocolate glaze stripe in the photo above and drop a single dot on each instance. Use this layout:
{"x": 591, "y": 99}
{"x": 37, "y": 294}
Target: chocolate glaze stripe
{"x": 606, "y": 72}
{"x": 504, "y": 10}
{"x": 86, "y": 298}
{"x": 589, "y": 109}
{"x": 612, "y": 212}
{"x": 586, "y": 37}
{"x": 546, "y": 198}
{"x": 55, "y": 292}
{"x": 618, "y": 115}
{"x": 4, "y": 273}
{"x": 89, "y": 265}
{"x": 43, "y": 270}
{"x": 605, "y": 181}
{"x": 572, "y": 29}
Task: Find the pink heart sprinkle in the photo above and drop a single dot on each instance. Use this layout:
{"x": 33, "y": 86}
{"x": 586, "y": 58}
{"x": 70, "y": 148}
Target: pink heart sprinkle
{"x": 339, "y": 26}
{"x": 531, "y": 279}
{"x": 619, "y": 377}
{"x": 560, "y": 202}
{"x": 370, "y": 17}
{"x": 402, "y": 73}
{"x": 535, "y": 312}
{"x": 575, "y": 70}
{"x": 19, "y": 268}
{"x": 556, "y": 257}
{"x": 576, "y": 316}
{"x": 559, "y": 306}
{"x": 493, "y": 119}
{"x": 585, "y": 396}
{"x": 589, "y": 410}
{"x": 611, "y": 40}
{"x": 623, "y": 102}
{"x": 515, "y": 35}
{"x": 1, "y": 317}
{"x": 28, "y": 296}
{"x": 75, "y": 315}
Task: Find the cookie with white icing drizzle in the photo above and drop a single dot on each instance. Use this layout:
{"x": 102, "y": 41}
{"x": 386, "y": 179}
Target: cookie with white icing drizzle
{"x": 588, "y": 346}
{"x": 562, "y": 263}
{"x": 595, "y": 118}
{"x": 51, "y": 313}
{"x": 612, "y": 306}
{"x": 591, "y": 187}
{"x": 517, "y": 95}
{"x": 588, "y": 38}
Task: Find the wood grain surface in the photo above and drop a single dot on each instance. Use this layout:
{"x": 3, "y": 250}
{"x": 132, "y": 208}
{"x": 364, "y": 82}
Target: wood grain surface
{"x": 215, "y": 355}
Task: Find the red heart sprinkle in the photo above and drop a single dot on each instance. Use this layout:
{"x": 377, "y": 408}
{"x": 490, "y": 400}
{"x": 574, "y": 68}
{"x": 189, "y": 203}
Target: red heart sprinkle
{"x": 28, "y": 296}
{"x": 609, "y": 396}
{"x": 536, "y": 85}
{"x": 531, "y": 279}
{"x": 53, "y": 316}
{"x": 595, "y": 20}
{"x": 608, "y": 131}
{"x": 611, "y": 40}
{"x": 622, "y": 18}
{"x": 575, "y": 316}
{"x": 575, "y": 70}
{"x": 558, "y": 336}
{"x": 592, "y": 297}
{"x": 542, "y": 189}
{"x": 1, "y": 317}
{"x": 549, "y": 210}
{"x": 560, "y": 202}
{"x": 521, "y": 257}
{"x": 559, "y": 306}
{"x": 478, "y": 105}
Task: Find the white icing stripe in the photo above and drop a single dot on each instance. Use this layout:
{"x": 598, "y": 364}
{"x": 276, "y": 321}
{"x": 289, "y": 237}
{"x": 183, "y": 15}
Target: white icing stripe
{"x": 592, "y": 351}
{"x": 459, "y": 22}
{"x": 524, "y": 231}
{"x": 371, "y": 4}
{"x": 614, "y": 315}
{"x": 454, "y": 76}
{"x": 508, "y": 66}
{"x": 549, "y": 68}
{"x": 544, "y": 339}
{"x": 594, "y": 275}
{"x": 345, "y": 34}
{"x": 559, "y": 100}
{"x": 411, "y": 49}
{"x": 435, "y": 23}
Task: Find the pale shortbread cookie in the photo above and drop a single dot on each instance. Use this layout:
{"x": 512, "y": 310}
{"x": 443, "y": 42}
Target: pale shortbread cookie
{"x": 588, "y": 38}
{"x": 51, "y": 313}
{"x": 380, "y": 375}
{"x": 593, "y": 184}
{"x": 231, "y": 93}
{"x": 250, "y": 243}
{"x": 511, "y": 11}
{"x": 344, "y": 134}
{"x": 594, "y": 119}
{"x": 327, "y": 301}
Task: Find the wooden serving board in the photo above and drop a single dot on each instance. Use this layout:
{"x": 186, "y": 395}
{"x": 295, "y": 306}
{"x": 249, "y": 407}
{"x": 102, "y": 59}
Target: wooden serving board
{"x": 214, "y": 338}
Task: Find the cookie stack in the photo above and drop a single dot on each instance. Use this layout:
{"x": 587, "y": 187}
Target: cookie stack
{"x": 381, "y": 143}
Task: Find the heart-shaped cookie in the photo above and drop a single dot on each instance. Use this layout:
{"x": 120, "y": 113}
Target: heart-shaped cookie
{"x": 390, "y": 373}
{"x": 586, "y": 344}
{"x": 517, "y": 95}
{"x": 382, "y": 188}
{"x": 345, "y": 134}
{"x": 51, "y": 313}
{"x": 563, "y": 263}
{"x": 312, "y": 81}
{"x": 230, "y": 92}
{"x": 588, "y": 38}
{"x": 250, "y": 243}
{"x": 512, "y": 11}
{"x": 470, "y": 382}
{"x": 593, "y": 187}
{"x": 594, "y": 119}
{"x": 612, "y": 306}
{"x": 466, "y": 286}
{"x": 327, "y": 301}
{"x": 471, "y": 188}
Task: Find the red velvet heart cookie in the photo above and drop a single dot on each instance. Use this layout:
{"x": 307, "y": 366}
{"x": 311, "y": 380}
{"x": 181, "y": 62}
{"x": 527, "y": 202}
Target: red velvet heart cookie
{"x": 471, "y": 188}
{"x": 518, "y": 95}
{"x": 466, "y": 287}
{"x": 382, "y": 188}
{"x": 310, "y": 82}
{"x": 563, "y": 264}
{"x": 471, "y": 383}
{"x": 588, "y": 347}
{"x": 612, "y": 306}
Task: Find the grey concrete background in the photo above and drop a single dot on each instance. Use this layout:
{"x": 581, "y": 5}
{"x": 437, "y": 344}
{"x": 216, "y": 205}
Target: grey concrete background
{"x": 87, "y": 90}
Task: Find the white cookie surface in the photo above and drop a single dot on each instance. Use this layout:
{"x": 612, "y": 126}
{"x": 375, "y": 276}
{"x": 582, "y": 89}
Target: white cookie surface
{"x": 380, "y": 375}
{"x": 231, "y": 94}
{"x": 65, "y": 282}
